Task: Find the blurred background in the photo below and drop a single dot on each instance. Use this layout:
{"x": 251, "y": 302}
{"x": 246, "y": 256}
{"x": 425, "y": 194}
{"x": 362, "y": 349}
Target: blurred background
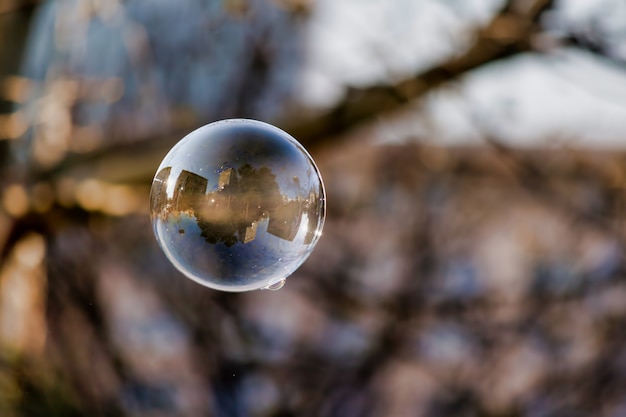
{"x": 474, "y": 155}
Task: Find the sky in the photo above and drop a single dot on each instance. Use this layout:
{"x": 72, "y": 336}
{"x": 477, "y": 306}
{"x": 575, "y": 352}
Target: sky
{"x": 563, "y": 97}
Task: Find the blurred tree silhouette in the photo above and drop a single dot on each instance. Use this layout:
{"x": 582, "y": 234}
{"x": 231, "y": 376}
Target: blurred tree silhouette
{"x": 478, "y": 281}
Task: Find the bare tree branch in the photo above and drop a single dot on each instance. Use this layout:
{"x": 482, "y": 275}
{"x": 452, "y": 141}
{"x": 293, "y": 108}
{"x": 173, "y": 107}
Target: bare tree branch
{"x": 509, "y": 33}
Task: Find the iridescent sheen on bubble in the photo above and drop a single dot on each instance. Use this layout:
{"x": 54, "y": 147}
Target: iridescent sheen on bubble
{"x": 237, "y": 205}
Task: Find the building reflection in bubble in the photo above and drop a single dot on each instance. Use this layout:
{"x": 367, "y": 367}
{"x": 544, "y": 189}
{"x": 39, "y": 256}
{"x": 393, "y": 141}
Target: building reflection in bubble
{"x": 244, "y": 198}
{"x": 246, "y": 205}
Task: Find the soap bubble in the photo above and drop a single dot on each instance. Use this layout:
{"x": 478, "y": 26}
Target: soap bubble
{"x": 238, "y": 205}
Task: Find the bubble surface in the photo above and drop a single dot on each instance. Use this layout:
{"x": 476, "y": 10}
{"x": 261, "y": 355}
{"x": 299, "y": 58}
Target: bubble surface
{"x": 238, "y": 205}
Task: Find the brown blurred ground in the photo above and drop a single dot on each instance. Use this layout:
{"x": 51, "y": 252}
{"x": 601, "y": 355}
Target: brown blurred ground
{"x": 442, "y": 286}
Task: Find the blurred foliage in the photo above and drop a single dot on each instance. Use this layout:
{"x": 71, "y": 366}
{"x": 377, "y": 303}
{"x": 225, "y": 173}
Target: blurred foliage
{"x": 482, "y": 281}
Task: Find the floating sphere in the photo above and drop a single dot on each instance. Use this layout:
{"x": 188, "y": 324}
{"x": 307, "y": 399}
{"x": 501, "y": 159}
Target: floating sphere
{"x": 238, "y": 205}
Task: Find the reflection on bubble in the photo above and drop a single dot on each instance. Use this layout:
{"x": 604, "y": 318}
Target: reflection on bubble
{"x": 275, "y": 286}
{"x": 237, "y": 205}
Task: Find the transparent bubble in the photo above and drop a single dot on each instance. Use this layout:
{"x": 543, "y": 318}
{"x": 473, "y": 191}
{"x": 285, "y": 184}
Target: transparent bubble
{"x": 238, "y": 205}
